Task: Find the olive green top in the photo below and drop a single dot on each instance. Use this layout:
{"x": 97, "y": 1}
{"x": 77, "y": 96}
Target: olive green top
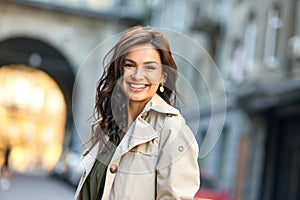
{"x": 94, "y": 184}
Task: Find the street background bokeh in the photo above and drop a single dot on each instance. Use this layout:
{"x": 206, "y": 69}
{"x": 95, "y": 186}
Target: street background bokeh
{"x": 254, "y": 45}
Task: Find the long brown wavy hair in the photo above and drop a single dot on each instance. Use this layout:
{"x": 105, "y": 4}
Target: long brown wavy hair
{"x": 110, "y": 99}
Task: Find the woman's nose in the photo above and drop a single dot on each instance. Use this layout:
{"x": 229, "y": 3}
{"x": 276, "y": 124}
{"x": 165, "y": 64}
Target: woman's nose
{"x": 138, "y": 73}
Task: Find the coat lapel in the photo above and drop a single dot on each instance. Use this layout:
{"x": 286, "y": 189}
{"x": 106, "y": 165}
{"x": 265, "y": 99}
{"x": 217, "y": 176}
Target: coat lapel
{"x": 139, "y": 132}
{"x": 89, "y": 159}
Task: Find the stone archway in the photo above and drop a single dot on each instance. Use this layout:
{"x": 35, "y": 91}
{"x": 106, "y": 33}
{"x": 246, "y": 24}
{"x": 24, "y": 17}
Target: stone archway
{"x": 36, "y": 54}
{"x": 41, "y": 55}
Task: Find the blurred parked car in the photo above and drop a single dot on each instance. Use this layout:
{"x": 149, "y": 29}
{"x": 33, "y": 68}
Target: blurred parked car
{"x": 210, "y": 189}
{"x": 69, "y": 167}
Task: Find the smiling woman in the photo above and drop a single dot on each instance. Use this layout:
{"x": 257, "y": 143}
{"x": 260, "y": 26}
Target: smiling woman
{"x": 141, "y": 147}
{"x": 142, "y": 75}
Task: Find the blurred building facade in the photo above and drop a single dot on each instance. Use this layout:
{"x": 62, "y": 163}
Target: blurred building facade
{"x": 256, "y": 47}
{"x": 52, "y": 37}
{"x": 254, "y": 44}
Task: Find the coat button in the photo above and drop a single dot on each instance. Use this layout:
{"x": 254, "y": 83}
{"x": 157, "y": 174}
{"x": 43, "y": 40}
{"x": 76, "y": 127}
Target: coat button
{"x": 113, "y": 168}
{"x": 180, "y": 148}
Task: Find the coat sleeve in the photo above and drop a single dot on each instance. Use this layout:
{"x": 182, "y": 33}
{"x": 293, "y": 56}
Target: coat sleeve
{"x": 177, "y": 168}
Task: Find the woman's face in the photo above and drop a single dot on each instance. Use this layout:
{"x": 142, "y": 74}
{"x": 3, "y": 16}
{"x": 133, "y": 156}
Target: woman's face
{"x": 142, "y": 73}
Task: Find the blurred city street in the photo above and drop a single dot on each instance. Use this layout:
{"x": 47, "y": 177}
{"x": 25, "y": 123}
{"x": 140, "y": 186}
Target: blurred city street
{"x": 37, "y": 187}
{"x": 238, "y": 75}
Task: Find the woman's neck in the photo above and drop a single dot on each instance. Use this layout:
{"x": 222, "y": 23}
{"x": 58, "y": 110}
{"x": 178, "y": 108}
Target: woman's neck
{"x": 134, "y": 109}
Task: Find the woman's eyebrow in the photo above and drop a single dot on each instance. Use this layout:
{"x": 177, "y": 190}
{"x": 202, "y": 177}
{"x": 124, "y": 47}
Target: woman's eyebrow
{"x": 146, "y": 62}
{"x": 151, "y": 62}
{"x": 129, "y": 60}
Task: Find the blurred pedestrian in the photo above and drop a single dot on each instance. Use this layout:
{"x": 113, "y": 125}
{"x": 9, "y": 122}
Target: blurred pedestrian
{"x": 141, "y": 147}
{"x": 5, "y": 170}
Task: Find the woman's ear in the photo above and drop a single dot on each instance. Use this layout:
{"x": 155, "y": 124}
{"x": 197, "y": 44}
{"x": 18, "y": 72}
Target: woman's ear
{"x": 164, "y": 77}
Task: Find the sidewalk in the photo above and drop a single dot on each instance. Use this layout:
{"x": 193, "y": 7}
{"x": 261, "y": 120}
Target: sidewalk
{"x": 36, "y": 187}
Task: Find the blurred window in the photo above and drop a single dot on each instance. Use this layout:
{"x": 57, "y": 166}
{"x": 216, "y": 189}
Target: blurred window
{"x": 274, "y": 23}
{"x": 250, "y": 41}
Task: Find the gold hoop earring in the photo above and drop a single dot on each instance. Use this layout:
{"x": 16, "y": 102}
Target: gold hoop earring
{"x": 161, "y": 88}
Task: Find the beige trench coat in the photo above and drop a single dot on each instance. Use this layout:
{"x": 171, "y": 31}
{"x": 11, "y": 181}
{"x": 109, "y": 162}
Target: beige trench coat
{"x": 156, "y": 159}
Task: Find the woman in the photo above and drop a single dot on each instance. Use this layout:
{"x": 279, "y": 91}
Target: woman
{"x": 141, "y": 146}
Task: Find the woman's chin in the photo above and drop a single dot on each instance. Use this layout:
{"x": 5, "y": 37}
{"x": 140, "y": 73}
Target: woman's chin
{"x": 136, "y": 98}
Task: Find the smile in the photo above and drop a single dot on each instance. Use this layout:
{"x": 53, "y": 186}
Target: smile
{"x": 137, "y": 86}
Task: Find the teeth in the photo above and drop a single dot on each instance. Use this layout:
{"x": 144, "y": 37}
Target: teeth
{"x": 137, "y": 86}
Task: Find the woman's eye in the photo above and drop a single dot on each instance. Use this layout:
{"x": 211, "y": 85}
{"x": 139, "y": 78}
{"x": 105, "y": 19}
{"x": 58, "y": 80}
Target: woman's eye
{"x": 149, "y": 67}
{"x": 128, "y": 65}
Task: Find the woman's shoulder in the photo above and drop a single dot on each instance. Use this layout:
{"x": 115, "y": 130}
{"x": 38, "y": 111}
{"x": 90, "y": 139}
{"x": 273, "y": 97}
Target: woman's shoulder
{"x": 177, "y": 135}
{"x": 175, "y": 121}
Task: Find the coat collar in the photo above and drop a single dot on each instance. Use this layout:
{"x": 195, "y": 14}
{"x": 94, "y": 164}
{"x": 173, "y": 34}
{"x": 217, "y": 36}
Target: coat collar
{"x": 159, "y": 105}
{"x": 140, "y": 131}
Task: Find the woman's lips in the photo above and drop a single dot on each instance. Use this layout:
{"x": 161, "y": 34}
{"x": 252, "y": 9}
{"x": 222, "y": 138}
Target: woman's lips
{"x": 137, "y": 87}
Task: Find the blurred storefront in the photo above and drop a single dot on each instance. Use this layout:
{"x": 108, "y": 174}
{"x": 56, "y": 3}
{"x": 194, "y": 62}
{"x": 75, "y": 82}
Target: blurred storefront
{"x": 257, "y": 153}
{"x": 33, "y": 118}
